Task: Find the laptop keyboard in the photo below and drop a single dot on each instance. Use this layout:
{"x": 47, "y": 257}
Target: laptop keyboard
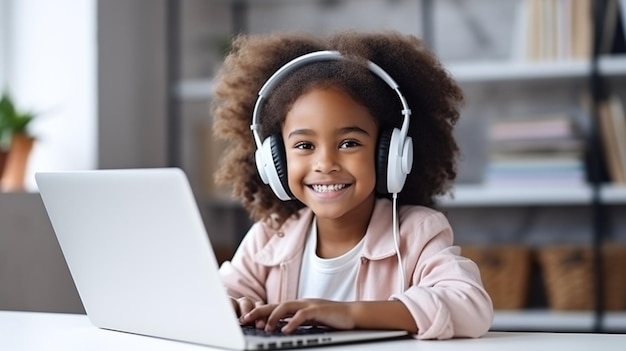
{"x": 304, "y": 330}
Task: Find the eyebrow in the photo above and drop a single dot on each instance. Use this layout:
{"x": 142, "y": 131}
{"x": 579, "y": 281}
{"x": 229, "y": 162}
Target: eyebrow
{"x": 344, "y": 130}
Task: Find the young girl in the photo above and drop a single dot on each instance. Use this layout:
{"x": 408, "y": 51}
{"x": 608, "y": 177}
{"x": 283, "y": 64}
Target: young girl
{"x": 343, "y": 127}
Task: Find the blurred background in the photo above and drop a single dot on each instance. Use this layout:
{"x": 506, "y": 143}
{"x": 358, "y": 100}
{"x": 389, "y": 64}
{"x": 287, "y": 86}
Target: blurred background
{"x": 540, "y": 198}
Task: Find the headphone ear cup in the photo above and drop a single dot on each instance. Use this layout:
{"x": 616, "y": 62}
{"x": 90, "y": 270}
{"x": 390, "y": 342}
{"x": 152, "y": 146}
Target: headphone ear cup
{"x": 400, "y": 161}
{"x": 392, "y": 168}
{"x": 279, "y": 158}
{"x": 272, "y": 166}
{"x": 382, "y": 160}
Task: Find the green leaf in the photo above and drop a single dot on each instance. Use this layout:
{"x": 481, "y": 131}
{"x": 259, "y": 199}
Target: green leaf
{"x": 12, "y": 121}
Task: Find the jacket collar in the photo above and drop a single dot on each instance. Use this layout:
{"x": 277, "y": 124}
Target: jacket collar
{"x": 287, "y": 243}
{"x": 379, "y": 241}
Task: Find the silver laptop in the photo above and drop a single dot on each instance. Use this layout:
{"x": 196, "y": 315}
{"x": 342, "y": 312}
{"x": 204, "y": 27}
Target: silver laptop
{"x": 141, "y": 260}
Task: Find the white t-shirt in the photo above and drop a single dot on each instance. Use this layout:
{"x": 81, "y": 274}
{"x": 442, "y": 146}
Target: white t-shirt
{"x": 328, "y": 278}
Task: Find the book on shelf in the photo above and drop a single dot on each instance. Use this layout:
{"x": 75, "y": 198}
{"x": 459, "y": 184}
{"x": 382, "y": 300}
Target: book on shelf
{"x": 536, "y": 170}
{"x": 552, "y": 30}
{"x": 544, "y": 148}
{"x": 533, "y": 128}
{"x": 612, "y": 129}
{"x": 510, "y": 147}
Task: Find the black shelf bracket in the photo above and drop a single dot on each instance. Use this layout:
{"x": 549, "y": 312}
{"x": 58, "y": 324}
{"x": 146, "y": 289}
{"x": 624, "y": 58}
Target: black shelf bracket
{"x": 599, "y": 94}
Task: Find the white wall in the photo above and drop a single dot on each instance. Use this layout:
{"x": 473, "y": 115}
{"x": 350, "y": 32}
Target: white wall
{"x": 4, "y": 26}
{"x": 50, "y": 53}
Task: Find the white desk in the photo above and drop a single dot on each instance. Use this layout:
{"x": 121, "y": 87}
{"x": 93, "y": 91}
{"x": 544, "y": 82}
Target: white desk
{"x": 25, "y": 331}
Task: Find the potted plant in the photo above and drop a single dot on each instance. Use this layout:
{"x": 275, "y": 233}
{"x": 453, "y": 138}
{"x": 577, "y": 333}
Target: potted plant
{"x": 16, "y": 144}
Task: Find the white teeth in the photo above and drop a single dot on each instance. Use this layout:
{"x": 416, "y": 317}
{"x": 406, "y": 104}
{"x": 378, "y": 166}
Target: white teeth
{"x": 327, "y": 188}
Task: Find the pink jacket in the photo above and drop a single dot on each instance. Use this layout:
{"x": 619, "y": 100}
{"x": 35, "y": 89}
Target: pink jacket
{"x": 444, "y": 291}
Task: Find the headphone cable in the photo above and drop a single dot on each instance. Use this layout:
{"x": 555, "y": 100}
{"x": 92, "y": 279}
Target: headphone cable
{"x": 396, "y": 240}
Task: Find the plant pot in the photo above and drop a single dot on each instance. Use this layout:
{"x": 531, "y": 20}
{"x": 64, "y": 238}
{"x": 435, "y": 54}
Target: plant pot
{"x": 13, "y": 177}
{"x": 3, "y": 158}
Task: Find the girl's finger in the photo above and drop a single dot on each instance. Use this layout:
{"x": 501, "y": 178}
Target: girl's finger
{"x": 295, "y": 321}
{"x": 258, "y": 314}
{"x": 282, "y": 312}
{"x": 245, "y": 306}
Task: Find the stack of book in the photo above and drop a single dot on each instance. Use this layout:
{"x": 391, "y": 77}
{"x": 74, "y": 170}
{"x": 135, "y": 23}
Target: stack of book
{"x": 539, "y": 150}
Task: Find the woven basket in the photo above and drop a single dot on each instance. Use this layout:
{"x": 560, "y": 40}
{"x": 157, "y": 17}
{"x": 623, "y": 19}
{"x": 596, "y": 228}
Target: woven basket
{"x": 569, "y": 277}
{"x": 505, "y": 271}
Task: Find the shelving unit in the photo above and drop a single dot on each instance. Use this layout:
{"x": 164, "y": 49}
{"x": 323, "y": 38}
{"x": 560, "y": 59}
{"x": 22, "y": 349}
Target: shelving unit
{"x": 613, "y": 195}
{"x": 495, "y": 74}
{"x": 465, "y": 73}
{"x": 596, "y": 196}
{"x": 476, "y": 195}
{"x": 544, "y": 320}
{"x": 519, "y": 71}
{"x": 482, "y": 195}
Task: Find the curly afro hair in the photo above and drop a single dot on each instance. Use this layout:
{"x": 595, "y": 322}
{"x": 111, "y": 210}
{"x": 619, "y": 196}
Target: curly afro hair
{"x": 432, "y": 95}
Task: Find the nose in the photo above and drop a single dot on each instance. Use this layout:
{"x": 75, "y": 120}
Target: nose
{"x": 326, "y": 160}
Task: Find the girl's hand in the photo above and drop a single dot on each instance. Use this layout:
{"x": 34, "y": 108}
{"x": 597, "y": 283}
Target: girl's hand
{"x": 243, "y": 306}
{"x": 298, "y": 312}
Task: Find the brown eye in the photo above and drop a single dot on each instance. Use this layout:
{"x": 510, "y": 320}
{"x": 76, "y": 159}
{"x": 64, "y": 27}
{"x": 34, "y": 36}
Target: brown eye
{"x": 303, "y": 146}
{"x": 346, "y": 144}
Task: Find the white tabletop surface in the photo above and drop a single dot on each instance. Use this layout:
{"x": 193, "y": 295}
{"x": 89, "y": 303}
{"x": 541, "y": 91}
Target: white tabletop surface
{"x": 54, "y": 331}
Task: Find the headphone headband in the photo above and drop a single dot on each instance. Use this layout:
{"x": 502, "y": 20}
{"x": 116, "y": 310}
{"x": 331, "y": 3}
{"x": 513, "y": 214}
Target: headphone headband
{"x": 316, "y": 56}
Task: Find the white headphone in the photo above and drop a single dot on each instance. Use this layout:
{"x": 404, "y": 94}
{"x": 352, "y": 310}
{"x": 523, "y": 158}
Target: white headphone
{"x": 394, "y": 152}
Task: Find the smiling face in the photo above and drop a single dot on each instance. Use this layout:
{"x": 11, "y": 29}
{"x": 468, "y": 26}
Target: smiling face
{"x": 330, "y": 143}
